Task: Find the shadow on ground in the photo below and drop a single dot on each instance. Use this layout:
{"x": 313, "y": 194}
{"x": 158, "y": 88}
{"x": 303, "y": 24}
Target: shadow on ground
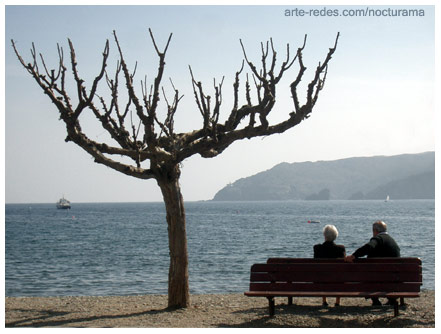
{"x": 300, "y": 316}
{"x": 333, "y": 317}
{"x": 52, "y": 319}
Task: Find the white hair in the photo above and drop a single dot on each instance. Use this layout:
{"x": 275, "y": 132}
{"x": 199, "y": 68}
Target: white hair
{"x": 330, "y": 232}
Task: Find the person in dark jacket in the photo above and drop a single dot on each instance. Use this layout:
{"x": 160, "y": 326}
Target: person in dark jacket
{"x": 380, "y": 245}
{"x": 329, "y": 250}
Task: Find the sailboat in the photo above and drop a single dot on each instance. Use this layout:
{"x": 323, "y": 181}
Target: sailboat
{"x": 387, "y": 198}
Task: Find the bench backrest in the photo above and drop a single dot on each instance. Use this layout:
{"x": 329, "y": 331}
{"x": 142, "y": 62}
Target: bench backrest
{"x": 331, "y": 275}
{"x": 360, "y": 260}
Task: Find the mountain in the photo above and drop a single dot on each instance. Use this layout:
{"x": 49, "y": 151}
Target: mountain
{"x": 406, "y": 176}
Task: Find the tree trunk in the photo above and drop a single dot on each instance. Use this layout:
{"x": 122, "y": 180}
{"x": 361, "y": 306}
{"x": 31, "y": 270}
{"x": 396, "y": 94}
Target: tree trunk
{"x": 178, "y": 287}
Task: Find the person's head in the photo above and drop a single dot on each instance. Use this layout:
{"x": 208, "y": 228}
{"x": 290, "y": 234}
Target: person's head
{"x": 378, "y": 227}
{"x": 330, "y": 233}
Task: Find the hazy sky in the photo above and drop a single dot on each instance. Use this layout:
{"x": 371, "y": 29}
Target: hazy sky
{"x": 378, "y": 98}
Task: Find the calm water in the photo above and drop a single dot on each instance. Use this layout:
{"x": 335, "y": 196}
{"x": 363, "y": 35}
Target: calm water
{"x": 122, "y": 248}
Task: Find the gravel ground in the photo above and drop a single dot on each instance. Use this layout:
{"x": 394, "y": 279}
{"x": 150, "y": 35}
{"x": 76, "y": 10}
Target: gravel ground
{"x": 209, "y": 311}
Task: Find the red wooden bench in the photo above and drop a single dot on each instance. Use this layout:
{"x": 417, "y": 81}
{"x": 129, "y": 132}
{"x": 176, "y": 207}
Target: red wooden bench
{"x": 374, "y": 277}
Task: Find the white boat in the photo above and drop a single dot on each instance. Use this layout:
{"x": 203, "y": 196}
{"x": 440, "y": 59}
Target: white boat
{"x": 63, "y": 203}
{"x": 387, "y": 198}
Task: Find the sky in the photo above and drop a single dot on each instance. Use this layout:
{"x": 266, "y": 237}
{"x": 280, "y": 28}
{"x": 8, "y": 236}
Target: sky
{"x": 378, "y": 99}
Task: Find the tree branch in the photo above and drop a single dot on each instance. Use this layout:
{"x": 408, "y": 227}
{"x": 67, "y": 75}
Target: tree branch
{"x": 170, "y": 148}
{"x": 226, "y": 134}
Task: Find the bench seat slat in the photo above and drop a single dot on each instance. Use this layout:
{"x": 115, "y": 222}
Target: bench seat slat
{"x": 341, "y": 267}
{"x": 331, "y": 294}
{"x": 328, "y": 287}
{"x": 335, "y": 276}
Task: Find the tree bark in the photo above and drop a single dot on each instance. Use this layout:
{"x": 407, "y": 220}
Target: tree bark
{"x": 178, "y": 287}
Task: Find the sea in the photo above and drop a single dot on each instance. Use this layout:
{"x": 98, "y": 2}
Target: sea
{"x": 115, "y": 249}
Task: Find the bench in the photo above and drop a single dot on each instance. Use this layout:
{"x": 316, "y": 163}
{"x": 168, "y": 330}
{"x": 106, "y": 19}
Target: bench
{"x": 373, "y": 277}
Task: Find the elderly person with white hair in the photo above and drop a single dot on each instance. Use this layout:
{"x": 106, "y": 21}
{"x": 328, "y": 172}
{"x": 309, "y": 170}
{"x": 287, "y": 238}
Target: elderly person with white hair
{"x": 330, "y": 250}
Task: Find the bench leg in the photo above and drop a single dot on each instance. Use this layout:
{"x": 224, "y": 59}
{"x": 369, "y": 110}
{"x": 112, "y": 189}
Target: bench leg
{"x": 396, "y": 311}
{"x": 271, "y": 306}
{"x": 402, "y": 301}
{"x": 289, "y": 300}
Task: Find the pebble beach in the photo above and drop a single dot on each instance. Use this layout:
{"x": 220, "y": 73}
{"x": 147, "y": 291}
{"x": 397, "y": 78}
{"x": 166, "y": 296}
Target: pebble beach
{"x": 212, "y": 311}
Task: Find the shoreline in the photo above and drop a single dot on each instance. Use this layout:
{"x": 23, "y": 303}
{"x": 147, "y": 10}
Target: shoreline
{"x": 212, "y": 311}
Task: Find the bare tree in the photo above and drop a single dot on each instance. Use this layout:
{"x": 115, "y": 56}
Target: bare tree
{"x": 141, "y": 136}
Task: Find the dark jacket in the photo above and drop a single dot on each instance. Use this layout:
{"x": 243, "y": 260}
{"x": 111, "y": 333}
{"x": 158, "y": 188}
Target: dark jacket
{"x": 382, "y": 245}
{"x": 329, "y": 250}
